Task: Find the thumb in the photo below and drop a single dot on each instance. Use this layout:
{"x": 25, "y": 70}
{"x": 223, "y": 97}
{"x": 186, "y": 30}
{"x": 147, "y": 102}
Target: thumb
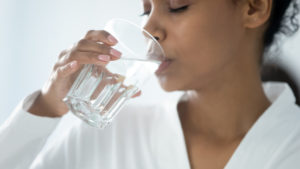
{"x": 68, "y": 69}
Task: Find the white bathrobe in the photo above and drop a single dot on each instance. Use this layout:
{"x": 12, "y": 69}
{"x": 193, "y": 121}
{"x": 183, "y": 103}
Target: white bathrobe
{"x": 148, "y": 137}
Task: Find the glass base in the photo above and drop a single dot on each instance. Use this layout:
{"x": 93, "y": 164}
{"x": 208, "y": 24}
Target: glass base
{"x": 84, "y": 111}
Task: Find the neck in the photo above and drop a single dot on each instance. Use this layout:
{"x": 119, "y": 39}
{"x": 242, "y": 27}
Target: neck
{"x": 226, "y": 110}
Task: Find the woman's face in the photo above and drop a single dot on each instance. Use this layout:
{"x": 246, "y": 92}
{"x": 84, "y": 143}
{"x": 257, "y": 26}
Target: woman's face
{"x": 201, "y": 40}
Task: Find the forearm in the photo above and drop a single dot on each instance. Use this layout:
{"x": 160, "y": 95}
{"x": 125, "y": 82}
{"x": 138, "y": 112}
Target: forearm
{"x": 22, "y": 136}
{"x": 41, "y": 108}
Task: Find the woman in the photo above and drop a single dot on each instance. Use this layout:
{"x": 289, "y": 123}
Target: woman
{"x": 226, "y": 118}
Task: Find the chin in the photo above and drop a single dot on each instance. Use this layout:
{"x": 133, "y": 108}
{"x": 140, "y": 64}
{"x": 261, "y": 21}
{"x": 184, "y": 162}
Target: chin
{"x": 169, "y": 85}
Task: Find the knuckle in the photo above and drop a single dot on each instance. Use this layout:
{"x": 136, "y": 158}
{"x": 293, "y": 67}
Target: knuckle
{"x": 55, "y": 67}
{"x": 63, "y": 58}
{"x": 105, "y": 49}
{"x": 59, "y": 72}
{"x": 72, "y": 56}
{"x": 82, "y": 42}
{"x": 89, "y": 32}
{"x": 92, "y": 56}
{"x": 97, "y": 35}
{"x": 104, "y": 33}
{"x": 62, "y": 53}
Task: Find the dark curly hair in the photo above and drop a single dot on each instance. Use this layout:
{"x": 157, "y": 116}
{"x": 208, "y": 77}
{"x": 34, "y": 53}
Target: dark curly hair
{"x": 282, "y": 22}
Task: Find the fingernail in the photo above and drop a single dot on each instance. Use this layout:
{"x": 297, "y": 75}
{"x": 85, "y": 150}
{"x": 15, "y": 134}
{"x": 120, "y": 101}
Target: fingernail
{"x": 115, "y": 53}
{"x": 73, "y": 64}
{"x": 112, "y": 39}
{"x": 105, "y": 58}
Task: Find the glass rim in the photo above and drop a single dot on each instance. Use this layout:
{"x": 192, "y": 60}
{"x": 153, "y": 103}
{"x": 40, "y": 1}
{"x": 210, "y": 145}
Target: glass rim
{"x": 142, "y": 29}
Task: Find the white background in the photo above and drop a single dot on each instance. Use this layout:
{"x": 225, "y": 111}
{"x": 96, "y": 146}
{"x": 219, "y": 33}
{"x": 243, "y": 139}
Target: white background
{"x": 33, "y": 32}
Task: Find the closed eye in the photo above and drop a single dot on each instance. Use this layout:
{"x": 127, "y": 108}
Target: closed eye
{"x": 177, "y": 10}
{"x": 172, "y": 10}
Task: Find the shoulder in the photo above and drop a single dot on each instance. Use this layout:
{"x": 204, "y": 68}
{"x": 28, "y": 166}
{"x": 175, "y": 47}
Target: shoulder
{"x": 288, "y": 153}
{"x": 288, "y": 120}
{"x": 294, "y": 120}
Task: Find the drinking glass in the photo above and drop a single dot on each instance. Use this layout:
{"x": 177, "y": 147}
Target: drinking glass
{"x": 98, "y": 93}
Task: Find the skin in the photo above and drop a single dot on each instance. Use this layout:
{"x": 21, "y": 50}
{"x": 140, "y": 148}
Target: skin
{"x": 215, "y": 48}
{"x": 215, "y": 52}
{"x": 70, "y": 61}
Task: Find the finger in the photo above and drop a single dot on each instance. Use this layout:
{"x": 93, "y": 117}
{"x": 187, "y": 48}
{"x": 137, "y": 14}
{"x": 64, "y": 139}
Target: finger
{"x": 64, "y": 52}
{"x": 68, "y": 69}
{"x": 85, "y": 45}
{"x": 89, "y": 58}
{"x": 101, "y": 36}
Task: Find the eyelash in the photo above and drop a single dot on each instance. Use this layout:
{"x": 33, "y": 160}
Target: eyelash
{"x": 177, "y": 10}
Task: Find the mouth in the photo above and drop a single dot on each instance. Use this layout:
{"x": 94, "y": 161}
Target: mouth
{"x": 163, "y": 66}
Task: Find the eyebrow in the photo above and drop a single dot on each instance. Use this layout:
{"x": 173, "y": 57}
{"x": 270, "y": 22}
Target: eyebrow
{"x": 146, "y": 1}
{"x": 178, "y": 2}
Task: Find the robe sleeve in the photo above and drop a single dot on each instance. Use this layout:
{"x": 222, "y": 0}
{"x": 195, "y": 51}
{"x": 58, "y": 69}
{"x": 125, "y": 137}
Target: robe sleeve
{"x": 23, "y": 135}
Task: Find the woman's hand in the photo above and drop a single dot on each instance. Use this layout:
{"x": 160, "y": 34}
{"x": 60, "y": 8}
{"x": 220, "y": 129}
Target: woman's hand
{"x": 94, "y": 48}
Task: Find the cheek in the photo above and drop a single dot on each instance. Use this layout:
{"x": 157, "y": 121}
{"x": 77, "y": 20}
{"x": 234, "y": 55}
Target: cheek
{"x": 204, "y": 46}
{"x": 208, "y": 40}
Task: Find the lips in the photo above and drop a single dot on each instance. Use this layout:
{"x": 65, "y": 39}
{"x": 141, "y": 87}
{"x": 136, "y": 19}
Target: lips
{"x": 163, "y": 66}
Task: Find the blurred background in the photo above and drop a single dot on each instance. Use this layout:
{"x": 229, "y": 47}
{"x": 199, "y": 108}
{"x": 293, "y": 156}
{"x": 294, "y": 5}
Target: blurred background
{"x": 34, "y": 32}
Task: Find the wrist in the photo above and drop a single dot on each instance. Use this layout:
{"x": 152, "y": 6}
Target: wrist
{"x": 41, "y": 108}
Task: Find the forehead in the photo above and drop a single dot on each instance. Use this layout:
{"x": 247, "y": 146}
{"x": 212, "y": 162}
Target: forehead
{"x": 172, "y": 2}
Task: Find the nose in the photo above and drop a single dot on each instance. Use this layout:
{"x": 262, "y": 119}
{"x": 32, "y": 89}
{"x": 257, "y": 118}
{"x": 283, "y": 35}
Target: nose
{"x": 154, "y": 26}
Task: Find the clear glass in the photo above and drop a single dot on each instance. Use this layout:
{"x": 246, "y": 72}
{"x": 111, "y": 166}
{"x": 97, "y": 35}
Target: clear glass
{"x": 98, "y": 93}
